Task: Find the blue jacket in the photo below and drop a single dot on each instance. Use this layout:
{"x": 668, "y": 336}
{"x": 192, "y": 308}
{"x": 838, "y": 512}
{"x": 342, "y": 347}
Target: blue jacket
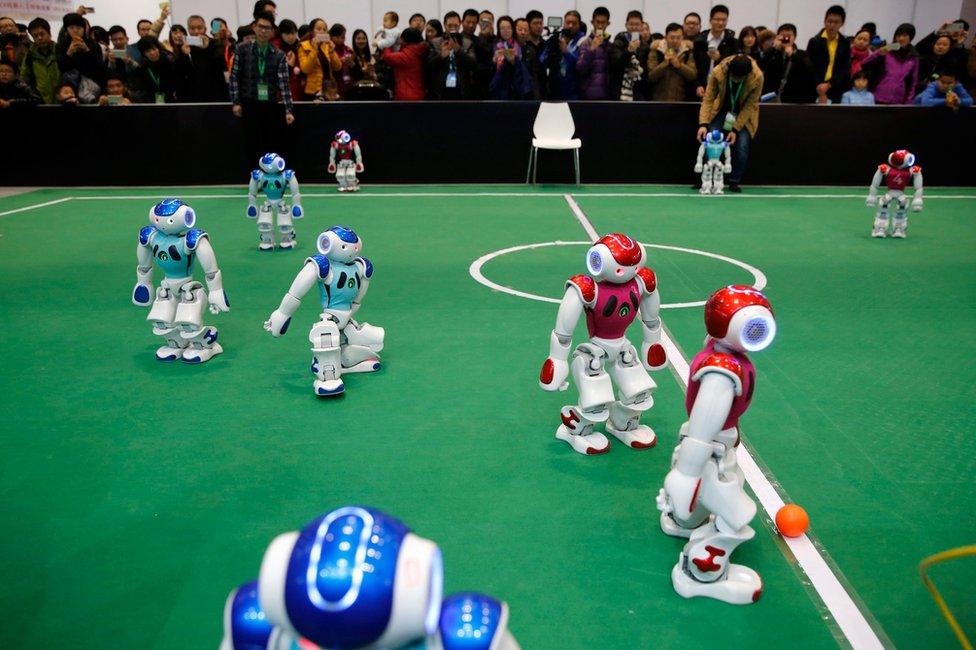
{"x": 932, "y": 97}
{"x": 563, "y": 79}
{"x": 858, "y": 98}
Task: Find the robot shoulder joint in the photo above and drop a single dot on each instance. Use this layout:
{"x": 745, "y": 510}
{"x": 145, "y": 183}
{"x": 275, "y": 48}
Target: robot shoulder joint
{"x": 322, "y": 262}
{"x": 367, "y": 266}
{"x": 883, "y": 169}
{"x": 585, "y": 287}
{"x": 724, "y": 364}
{"x": 647, "y": 278}
{"x": 256, "y": 174}
{"x": 193, "y": 237}
{"x": 289, "y": 173}
{"x": 916, "y": 169}
{"x": 146, "y": 235}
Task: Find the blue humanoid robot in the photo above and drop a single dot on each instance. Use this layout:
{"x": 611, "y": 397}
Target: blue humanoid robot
{"x": 340, "y": 345}
{"x": 175, "y": 246}
{"x": 274, "y": 180}
{"x": 713, "y": 162}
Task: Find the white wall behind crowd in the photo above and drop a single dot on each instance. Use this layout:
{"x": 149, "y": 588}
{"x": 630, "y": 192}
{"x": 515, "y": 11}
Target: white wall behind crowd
{"x": 926, "y": 15}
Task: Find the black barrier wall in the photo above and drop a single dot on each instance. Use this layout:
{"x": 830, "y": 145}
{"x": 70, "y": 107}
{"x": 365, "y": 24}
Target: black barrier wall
{"x": 474, "y": 142}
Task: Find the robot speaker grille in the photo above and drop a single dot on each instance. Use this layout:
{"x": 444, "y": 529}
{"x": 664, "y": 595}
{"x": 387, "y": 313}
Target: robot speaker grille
{"x": 596, "y": 263}
{"x": 755, "y": 331}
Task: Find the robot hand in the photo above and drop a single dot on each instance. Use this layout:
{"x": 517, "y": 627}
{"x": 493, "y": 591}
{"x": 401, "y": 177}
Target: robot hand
{"x": 554, "y": 374}
{"x": 218, "y": 301}
{"x": 332, "y": 169}
{"x": 360, "y": 167}
{"x": 871, "y": 201}
{"x": 917, "y": 204}
{"x": 653, "y": 356}
{"x": 727, "y": 169}
{"x": 142, "y": 294}
{"x": 699, "y": 168}
{"x": 252, "y": 211}
{"x": 297, "y": 212}
{"x": 680, "y": 489}
{"x": 277, "y": 323}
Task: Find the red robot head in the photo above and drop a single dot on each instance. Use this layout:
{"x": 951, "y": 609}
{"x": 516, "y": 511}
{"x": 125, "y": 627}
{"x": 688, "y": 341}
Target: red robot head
{"x": 901, "y": 159}
{"x": 741, "y": 318}
{"x": 615, "y": 258}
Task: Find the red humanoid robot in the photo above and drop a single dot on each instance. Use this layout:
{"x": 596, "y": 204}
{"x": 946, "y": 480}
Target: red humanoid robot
{"x": 704, "y": 497}
{"x": 345, "y": 160}
{"x": 618, "y": 288}
{"x": 896, "y": 175}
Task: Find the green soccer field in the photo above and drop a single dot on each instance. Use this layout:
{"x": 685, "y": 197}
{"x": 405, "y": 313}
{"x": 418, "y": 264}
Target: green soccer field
{"x": 137, "y": 494}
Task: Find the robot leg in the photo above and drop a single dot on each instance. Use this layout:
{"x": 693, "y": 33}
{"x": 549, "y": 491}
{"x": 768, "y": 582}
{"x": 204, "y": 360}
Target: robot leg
{"x": 356, "y": 358}
{"x": 341, "y": 175}
{"x": 704, "y": 567}
{"x": 717, "y": 177}
{"x": 900, "y": 221}
{"x": 634, "y": 387}
{"x": 881, "y": 217}
{"x": 706, "y": 179}
{"x": 265, "y": 226}
{"x": 365, "y": 334}
{"x": 351, "y": 177}
{"x": 201, "y": 339}
{"x": 698, "y": 516}
{"x": 285, "y": 227}
{"x": 595, "y": 396}
{"x": 326, "y": 358}
{"x": 162, "y": 315}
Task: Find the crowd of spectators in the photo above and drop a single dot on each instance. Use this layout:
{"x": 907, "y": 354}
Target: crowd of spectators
{"x": 474, "y": 55}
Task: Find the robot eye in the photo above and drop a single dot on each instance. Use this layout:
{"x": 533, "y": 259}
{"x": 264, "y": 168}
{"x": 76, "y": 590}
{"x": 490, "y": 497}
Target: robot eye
{"x": 343, "y": 247}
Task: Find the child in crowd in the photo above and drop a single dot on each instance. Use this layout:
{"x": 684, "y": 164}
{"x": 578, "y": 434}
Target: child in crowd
{"x": 859, "y": 95}
{"x": 390, "y": 34}
{"x": 116, "y": 94}
{"x": 945, "y": 91}
{"x": 13, "y": 91}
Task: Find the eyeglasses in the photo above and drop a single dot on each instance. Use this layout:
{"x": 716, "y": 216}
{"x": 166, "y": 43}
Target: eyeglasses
{"x": 263, "y": 28}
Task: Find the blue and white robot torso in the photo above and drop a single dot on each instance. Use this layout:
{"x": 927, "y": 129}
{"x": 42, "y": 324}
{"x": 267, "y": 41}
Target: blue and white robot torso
{"x": 273, "y": 185}
{"x": 714, "y": 151}
{"x": 173, "y": 254}
{"x": 346, "y": 282}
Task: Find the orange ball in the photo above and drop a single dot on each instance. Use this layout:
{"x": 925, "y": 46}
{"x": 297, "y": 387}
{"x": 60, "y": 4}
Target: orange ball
{"x": 792, "y": 520}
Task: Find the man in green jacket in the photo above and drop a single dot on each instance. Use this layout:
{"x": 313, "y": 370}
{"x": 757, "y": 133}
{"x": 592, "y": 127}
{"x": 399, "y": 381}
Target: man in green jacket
{"x": 40, "y": 67}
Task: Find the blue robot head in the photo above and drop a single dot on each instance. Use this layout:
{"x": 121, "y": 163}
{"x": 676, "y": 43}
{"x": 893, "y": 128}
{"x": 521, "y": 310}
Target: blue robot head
{"x": 272, "y": 163}
{"x": 343, "y": 137}
{"x": 715, "y": 137}
{"x": 340, "y": 244}
{"x": 172, "y": 216}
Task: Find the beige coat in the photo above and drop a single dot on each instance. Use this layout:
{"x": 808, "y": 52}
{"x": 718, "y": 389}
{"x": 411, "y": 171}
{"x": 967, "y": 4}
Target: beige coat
{"x": 748, "y": 115}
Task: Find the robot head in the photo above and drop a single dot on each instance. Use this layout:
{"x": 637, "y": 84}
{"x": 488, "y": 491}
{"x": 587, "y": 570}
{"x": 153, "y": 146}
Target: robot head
{"x": 272, "y": 163}
{"x": 714, "y": 137}
{"x": 340, "y": 244}
{"x": 172, "y": 216}
{"x": 741, "y": 318}
{"x": 472, "y": 620}
{"x": 245, "y": 625}
{"x": 615, "y": 258}
{"x": 343, "y": 137}
{"x": 352, "y": 578}
{"x": 901, "y": 159}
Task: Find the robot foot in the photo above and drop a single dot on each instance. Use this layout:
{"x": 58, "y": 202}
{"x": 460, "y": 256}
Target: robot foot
{"x": 201, "y": 355}
{"x": 898, "y": 232}
{"x": 642, "y": 437}
{"x": 366, "y": 365}
{"x": 329, "y": 387}
{"x": 342, "y": 188}
{"x": 588, "y": 445}
{"x": 740, "y": 586}
{"x": 288, "y": 245}
{"x": 671, "y": 527}
{"x": 354, "y": 188}
{"x": 880, "y": 228}
{"x": 266, "y": 246}
{"x": 169, "y": 353}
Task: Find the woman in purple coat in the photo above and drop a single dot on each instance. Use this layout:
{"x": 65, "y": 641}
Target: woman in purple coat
{"x": 897, "y": 68}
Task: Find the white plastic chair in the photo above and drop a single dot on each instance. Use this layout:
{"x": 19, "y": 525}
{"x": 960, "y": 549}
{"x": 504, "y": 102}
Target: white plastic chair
{"x": 553, "y": 129}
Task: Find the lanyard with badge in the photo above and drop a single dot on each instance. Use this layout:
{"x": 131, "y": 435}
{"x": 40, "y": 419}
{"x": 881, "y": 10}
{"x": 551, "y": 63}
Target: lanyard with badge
{"x": 730, "y": 117}
{"x": 262, "y": 84}
{"x": 159, "y": 95}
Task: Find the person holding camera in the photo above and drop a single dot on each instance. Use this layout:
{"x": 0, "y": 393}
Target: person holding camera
{"x": 79, "y": 56}
{"x": 787, "y": 70}
{"x": 671, "y": 66}
{"x": 116, "y": 94}
{"x": 628, "y": 54}
{"x": 897, "y": 66}
{"x": 593, "y": 64}
{"x": 560, "y": 56}
{"x": 319, "y": 62}
{"x": 731, "y": 104}
{"x": 713, "y": 46}
{"x": 451, "y": 62}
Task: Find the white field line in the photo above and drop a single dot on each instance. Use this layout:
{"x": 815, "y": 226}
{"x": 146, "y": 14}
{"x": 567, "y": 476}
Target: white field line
{"x": 152, "y": 197}
{"x": 842, "y": 607}
{"x": 35, "y": 206}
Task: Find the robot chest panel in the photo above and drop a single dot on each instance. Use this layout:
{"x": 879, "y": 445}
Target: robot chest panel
{"x": 343, "y": 289}
{"x": 615, "y": 309}
{"x": 898, "y": 179}
{"x": 344, "y": 153}
{"x": 273, "y": 186}
{"x": 171, "y": 255}
{"x": 714, "y": 151}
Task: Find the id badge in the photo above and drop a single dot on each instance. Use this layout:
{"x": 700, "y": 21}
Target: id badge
{"x": 729, "y": 121}
{"x": 451, "y": 81}
{"x": 226, "y": 76}
{"x": 262, "y": 92}
{"x": 160, "y": 98}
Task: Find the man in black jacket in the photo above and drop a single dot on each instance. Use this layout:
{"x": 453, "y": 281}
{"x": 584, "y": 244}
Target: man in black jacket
{"x": 627, "y": 54}
{"x": 830, "y": 54}
{"x": 207, "y": 82}
{"x": 787, "y": 71}
{"x": 713, "y": 46}
{"x": 451, "y": 62}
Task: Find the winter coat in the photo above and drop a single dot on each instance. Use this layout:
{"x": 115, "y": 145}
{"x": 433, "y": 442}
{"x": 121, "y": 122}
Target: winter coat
{"x": 670, "y": 84}
{"x": 800, "y": 87}
{"x": 19, "y": 94}
{"x": 310, "y": 56}
{"x": 563, "y": 78}
{"x": 163, "y": 79}
{"x": 465, "y": 61}
{"x": 88, "y": 64}
{"x": 512, "y": 79}
{"x": 932, "y": 96}
{"x": 40, "y": 72}
{"x": 408, "y": 65}
{"x": 897, "y": 82}
{"x": 593, "y": 67}
{"x": 728, "y": 46}
{"x": 747, "y": 115}
{"x": 621, "y": 59}
{"x": 819, "y": 53}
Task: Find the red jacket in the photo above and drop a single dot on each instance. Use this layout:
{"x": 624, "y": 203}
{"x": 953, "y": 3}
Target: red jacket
{"x": 408, "y": 66}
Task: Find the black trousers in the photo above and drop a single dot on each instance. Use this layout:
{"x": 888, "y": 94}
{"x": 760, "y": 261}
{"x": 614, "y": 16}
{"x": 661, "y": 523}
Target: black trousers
{"x": 264, "y": 131}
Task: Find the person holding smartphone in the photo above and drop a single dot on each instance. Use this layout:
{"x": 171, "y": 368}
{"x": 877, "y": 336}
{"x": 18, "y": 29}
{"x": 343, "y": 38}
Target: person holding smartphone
{"x": 898, "y": 63}
{"x": 78, "y": 55}
{"x": 318, "y": 60}
{"x": 713, "y": 46}
{"x": 560, "y": 55}
{"x": 593, "y": 64}
{"x": 787, "y": 70}
{"x": 627, "y": 54}
{"x": 511, "y": 79}
{"x": 205, "y": 81}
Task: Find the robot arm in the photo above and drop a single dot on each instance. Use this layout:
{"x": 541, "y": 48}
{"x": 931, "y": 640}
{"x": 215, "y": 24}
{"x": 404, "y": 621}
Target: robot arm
{"x": 296, "y": 196}
{"x": 332, "y": 159}
{"x": 215, "y": 284}
{"x": 555, "y": 370}
{"x": 726, "y": 159}
{"x": 653, "y": 355}
{"x": 708, "y": 415}
{"x": 142, "y": 293}
{"x": 701, "y": 154}
{"x": 280, "y": 318}
{"x": 873, "y": 190}
{"x": 359, "y": 157}
{"x": 367, "y": 273}
{"x": 252, "y": 194}
{"x": 917, "y": 181}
